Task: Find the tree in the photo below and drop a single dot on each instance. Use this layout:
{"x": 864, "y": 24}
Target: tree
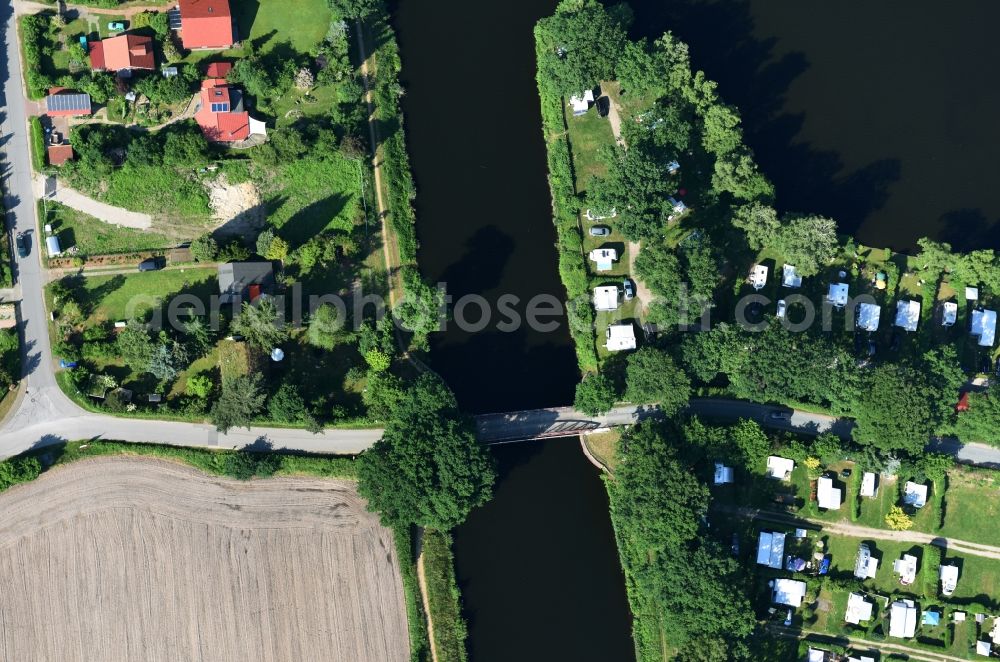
{"x": 264, "y": 240}
{"x": 135, "y": 346}
{"x": 934, "y": 466}
{"x": 421, "y": 309}
{"x": 204, "y": 248}
{"x": 895, "y": 414}
{"x": 897, "y": 519}
{"x": 828, "y": 448}
{"x": 277, "y": 249}
{"x": 325, "y": 327}
{"x": 260, "y": 324}
{"x": 357, "y": 9}
{"x": 652, "y": 376}
{"x": 637, "y": 186}
{"x": 197, "y": 336}
{"x": 304, "y": 78}
{"x": 982, "y": 420}
{"x": 722, "y": 132}
{"x": 287, "y": 406}
{"x": 595, "y": 395}
{"x": 737, "y": 173}
{"x": 751, "y": 443}
{"x": 578, "y": 46}
{"x": 428, "y": 468}
{"x": 161, "y": 363}
{"x": 199, "y": 386}
{"x": 382, "y": 395}
{"x": 240, "y": 401}
{"x": 378, "y": 361}
{"x": 187, "y": 149}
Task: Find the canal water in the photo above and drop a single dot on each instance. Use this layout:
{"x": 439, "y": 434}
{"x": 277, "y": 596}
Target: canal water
{"x": 881, "y": 115}
{"x": 538, "y": 567}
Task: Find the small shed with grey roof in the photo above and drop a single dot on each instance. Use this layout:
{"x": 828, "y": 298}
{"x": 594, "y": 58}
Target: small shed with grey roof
{"x": 236, "y": 279}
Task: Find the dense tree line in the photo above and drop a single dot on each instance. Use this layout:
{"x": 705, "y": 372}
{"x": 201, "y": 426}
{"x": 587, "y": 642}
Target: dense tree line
{"x": 682, "y": 586}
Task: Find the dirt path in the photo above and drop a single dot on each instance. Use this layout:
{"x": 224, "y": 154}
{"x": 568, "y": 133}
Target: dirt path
{"x": 390, "y": 246}
{"x": 99, "y": 210}
{"x": 886, "y": 647}
{"x": 128, "y": 559}
{"x": 857, "y": 531}
{"x": 424, "y": 597}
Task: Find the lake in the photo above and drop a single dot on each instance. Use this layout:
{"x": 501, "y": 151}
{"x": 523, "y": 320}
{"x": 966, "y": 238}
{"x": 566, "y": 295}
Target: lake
{"x": 881, "y": 115}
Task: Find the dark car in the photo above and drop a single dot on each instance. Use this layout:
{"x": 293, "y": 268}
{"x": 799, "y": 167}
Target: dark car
{"x": 780, "y": 415}
{"x": 23, "y": 247}
{"x": 152, "y": 264}
{"x": 603, "y": 106}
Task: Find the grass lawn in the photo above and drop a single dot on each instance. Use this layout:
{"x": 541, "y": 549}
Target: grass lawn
{"x": 604, "y": 446}
{"x": 588, "y": 133}
{"x": 155, "y": 191}
{"x": 94, "y": 237}
{"x": 303, "y": 23}
{"x": 120, "y": 296}
{"x": 971, "y": 502}
{"x": 310, "y": 195}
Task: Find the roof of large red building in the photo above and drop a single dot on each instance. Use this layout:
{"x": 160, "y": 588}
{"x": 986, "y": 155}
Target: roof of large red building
{"x": 127, "y": 51}
{"x": 206, "y": 24}
{"x": 216, "y": 116}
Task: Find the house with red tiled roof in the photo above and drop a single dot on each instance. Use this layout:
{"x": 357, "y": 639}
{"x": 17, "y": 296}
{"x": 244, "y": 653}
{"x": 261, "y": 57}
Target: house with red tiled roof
{"x": 122, "y": 54}
{"x": 60, "y": 154}
{"x": 206, "y": 24}
{"x": 221, "y": 115}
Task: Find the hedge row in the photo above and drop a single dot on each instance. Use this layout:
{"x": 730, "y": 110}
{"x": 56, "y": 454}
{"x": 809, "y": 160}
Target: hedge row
{"x": 565, "y": 208}
{"x": 32, "y": 35}
{"x": 38, "y": 152}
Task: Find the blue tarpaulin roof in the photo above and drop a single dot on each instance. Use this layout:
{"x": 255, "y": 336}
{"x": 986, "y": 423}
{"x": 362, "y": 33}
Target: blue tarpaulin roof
{"x": 931, "y": 618}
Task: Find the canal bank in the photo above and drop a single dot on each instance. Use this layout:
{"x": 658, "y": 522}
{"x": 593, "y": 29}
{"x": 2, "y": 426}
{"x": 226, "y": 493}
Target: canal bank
{"x": 537, "y": 567}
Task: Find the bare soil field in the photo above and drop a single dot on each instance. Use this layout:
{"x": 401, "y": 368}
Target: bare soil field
{"x": 136, "y": 559}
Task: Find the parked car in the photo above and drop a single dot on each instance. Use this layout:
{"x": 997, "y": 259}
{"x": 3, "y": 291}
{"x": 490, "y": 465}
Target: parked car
{"x": 23, "y": 247}
{"x": 152, "y": 264}
{"x": 628, "y": 288}
{"x": 116, "y": 26}
{"x": 780, "y": 415}
{"x": 600, "y": 231}
{"x": 781, "y": 309}
{"x": 63, "y": 363}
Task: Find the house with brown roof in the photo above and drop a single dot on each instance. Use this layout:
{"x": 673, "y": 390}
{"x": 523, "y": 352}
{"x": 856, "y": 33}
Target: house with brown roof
{"x": 122, "y": 54}
{"x": 206, "y": 24}
{"x": 221, "y": 115}
{"x": 60, "y": 154}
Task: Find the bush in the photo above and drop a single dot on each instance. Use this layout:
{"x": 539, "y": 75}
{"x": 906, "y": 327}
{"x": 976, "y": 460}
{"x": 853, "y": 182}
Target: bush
{"x": 19, "y": 470}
